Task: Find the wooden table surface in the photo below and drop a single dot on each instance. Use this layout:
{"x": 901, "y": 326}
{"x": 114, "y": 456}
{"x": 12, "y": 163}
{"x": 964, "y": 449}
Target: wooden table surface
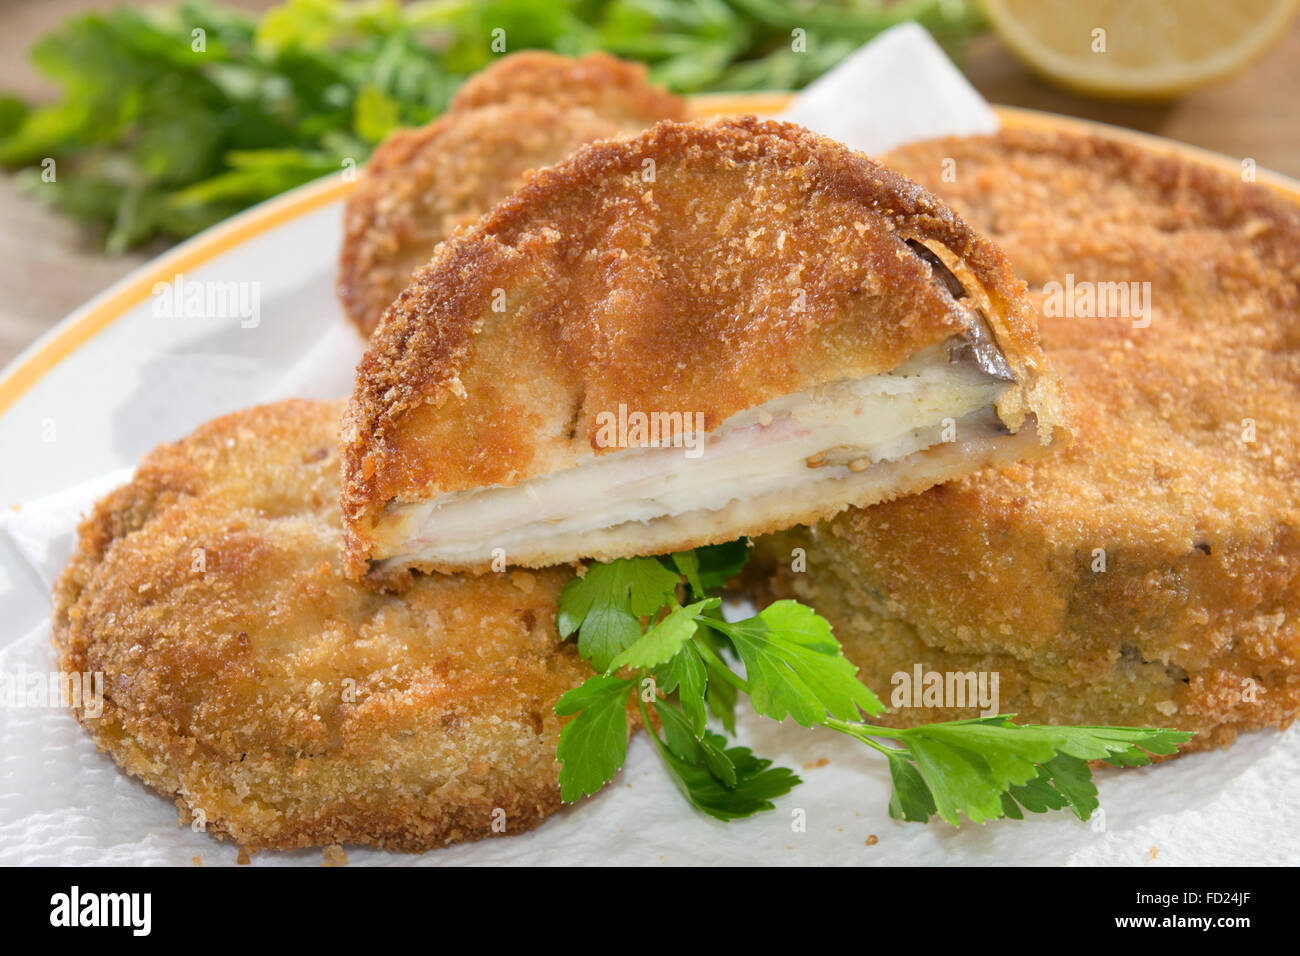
{"x": 49, "y": 266}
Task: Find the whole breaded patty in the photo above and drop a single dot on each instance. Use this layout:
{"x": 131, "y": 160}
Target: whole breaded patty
{"x": 523, "y": 113}
{"x": 1150, "y": 573}
{"x": 276, "y": 701}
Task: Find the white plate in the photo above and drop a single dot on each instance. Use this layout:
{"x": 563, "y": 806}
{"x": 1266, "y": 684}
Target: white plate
{"x": 117, "y": 377}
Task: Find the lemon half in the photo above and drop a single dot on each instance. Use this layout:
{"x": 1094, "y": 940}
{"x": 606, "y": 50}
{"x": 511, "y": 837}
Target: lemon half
{"x": 1138, "y": 49}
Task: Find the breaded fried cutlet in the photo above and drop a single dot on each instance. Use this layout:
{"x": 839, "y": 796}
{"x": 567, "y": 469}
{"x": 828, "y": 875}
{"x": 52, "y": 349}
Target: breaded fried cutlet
{"x": 526, "y": 111}
{"x": 617, "y": 90}
{"x": 280, "y": 704}
{"x": 824, "y": 331}
{"x": 1150, "y": 573}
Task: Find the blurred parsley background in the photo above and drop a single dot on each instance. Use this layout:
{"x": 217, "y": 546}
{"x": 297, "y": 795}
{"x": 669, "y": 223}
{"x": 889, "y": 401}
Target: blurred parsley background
{"x": 161, "y": 132}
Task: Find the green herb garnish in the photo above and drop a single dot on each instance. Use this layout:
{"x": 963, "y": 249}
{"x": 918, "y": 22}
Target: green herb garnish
{"x": 173, "y": 118}
{"x": 672, "y": 658}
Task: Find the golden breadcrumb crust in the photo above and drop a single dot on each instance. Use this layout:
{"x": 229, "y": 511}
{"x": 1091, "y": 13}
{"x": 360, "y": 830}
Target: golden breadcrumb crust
{"x": 699, "y": 267}
{"x": 1182, "y": 478}
{"x": 280, "y": 703}
{"x": 614, "y": 89}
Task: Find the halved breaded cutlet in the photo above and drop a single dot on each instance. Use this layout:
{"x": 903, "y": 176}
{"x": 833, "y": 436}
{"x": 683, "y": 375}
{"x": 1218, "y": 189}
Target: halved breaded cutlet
{"x": 248, "y": 679}
{"x": 1150, "y": 573}
{"x": 820, "y": 330}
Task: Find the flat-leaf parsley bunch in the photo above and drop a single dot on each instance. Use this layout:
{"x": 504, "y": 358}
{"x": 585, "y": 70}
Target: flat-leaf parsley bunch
{"x": 673, "y": 661}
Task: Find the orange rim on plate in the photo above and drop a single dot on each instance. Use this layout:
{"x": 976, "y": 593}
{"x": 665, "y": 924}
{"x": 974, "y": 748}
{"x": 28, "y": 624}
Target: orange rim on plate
{"x": 102, "y": 311}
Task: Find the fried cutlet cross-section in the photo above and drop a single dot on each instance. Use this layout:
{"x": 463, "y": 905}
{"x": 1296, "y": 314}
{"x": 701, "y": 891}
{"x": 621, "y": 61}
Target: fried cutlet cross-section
{"x": 806, "y": 330}
{"x": 281, "y": 704}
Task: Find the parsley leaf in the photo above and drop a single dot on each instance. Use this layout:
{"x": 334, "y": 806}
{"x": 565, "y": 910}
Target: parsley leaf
{"x": 796, "y": 668}
{"x": 593, "y": 746}
{"x": 688, "y": 564}
{"x": 973, "y": 766}
{"x": 721, "y": 562}
{"x": 721, "y": 698}
{"x": 709, "y": 568}
{"x": 608, "y": 603}
{"x": 911, "y": 799}
{"x": 687, "y": 674}
{"x": 694, "y": 748}
{"x": 758, "y": 783}
{"x": 720, "y": 694}
{"x": 662, "y": 642}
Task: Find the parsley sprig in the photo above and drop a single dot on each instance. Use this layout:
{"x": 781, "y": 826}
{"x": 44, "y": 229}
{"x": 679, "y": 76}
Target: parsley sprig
{"x": 172, "y": 117}
{"x": 671, "y": 661}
